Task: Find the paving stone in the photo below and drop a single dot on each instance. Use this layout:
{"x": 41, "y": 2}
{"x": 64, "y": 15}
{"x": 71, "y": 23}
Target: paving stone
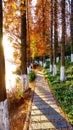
{"x": 60, "y": 124}
{"x": 44, "y": 95}
{"x": 39, "y": 103}
{"x": 41, "y": 107}
{"x": 42, "y": 126}
{"x": 44, "y": 98}
{"x": 49, "y": 100}
{"x": 45, "y": 102}
{"x": 46, "y": 125}
{"x": 39, "y": 118}
{"x": 34, "y": 126}
{"x": 44, "y": 107}
{"x": 55, "y": 117}
{"x": 47, "y": 118}
{"x": 43, "y": 111}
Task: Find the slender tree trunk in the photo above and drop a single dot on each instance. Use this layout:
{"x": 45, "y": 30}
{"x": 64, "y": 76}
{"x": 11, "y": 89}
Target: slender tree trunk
{"x": 55, "y": 36}
{"x": 71, "y": 30}
{"x": 43, "y": 31}
{"x": 51, "y": 45}
{"x": 62, "y": 73}
{"x": 23, "y": 41}
{"x": 4, "y": 119}
{"x": 28, "y": 45}
{"x": 29, "y": 64}
{"x": 24, "y": 48}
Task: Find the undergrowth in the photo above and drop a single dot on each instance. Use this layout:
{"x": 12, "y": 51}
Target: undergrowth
{"x": 31, "y": 76}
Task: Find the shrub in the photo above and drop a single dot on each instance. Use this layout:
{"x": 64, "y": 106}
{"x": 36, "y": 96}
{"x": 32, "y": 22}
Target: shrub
{"x": 31, "y": 76}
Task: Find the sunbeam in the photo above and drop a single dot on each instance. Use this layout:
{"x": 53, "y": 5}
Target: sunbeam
{"x": 9, "y": 64}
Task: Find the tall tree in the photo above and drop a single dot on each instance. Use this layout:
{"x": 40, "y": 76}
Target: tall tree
{"x": 62, "y": 70}
{"x": 4, "y": 120}
{"x": 71, "y": 22}
{"x": 23, "y": 46}
{"x": 28, "y": 38}
{"x": 51, "y": 45}
{"x": 55, "y": 35}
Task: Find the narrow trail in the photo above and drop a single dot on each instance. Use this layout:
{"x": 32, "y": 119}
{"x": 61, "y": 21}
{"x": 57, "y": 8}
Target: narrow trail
{"x": 46, "y": 114}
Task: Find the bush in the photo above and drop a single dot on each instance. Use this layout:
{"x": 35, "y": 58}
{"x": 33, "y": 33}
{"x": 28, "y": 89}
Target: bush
{"x": 31, "y": 76}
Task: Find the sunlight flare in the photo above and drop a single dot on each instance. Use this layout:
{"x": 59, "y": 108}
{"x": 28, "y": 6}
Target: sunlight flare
{"x": 8, "y": 50}
{"x": 9, "y": 64}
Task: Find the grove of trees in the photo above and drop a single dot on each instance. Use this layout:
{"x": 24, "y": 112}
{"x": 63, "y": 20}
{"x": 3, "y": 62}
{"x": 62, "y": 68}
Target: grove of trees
{"x": 35, "y": 29}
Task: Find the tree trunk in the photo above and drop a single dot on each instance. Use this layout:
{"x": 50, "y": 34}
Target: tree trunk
{"x": 23, "y": 41}
{"x": 55, "y": 36}
{"x": 51, "y": 45}
{"x": 71, "y": 25}
{"x": 43, "y": 31}
{"x": 24, "y": 48}
{"x": 28, "y": 40}
{"x": 4, "y": 119}
{"x": 62, "y": 70}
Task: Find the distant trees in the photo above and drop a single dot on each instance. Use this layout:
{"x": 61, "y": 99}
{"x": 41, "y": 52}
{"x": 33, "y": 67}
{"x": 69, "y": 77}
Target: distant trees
{"x": 60, "y": 32}
{"x": 40, "y": 27}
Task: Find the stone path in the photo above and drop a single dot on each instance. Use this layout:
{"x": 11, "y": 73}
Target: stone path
{"x": 45, "y": 112}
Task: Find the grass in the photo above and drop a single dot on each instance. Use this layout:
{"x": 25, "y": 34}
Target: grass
{"x": 63, "y": 90}
{"x": 31, "y": 76}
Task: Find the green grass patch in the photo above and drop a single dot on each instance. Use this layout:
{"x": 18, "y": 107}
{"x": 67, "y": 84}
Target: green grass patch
{"x": 31, "y": 76}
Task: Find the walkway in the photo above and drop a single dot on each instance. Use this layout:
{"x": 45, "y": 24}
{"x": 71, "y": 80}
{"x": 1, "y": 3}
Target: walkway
{"x": 45, "y": 113}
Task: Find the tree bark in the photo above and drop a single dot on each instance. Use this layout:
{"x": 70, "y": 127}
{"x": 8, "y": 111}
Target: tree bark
{"x": 28, "y": 39}
{"x": 55, "y": 36}
{"x": 55, "y": 30}
{"x": 51, "y": 45}
{"x": 71, "y": 25}
{"x": 62, "y": 73}
{"x": 24, "y": 48}
{"x": 2, "y": 60}
{"x": 4, "y": 118}
{"x": 23, "y": 41}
